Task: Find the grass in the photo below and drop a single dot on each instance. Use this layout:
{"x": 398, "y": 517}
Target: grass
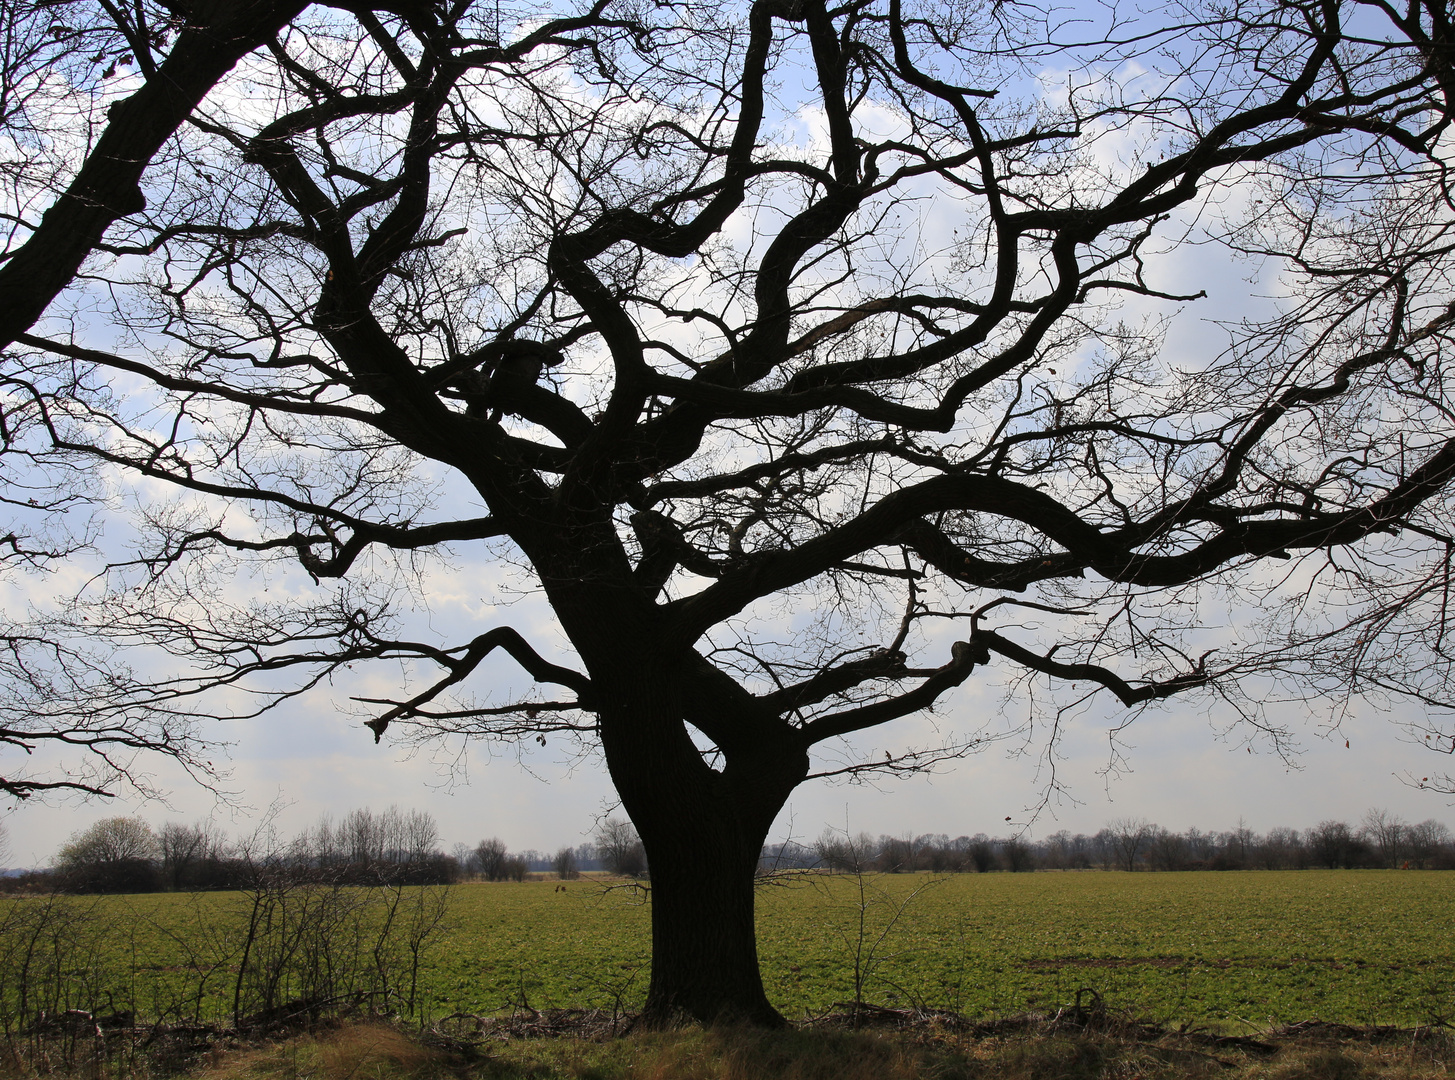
{"x": 1247, "y": 950}
{"x": 1242, "y": 951}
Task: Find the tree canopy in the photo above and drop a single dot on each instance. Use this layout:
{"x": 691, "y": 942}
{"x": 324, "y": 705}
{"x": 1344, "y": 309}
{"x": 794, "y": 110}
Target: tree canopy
{"x": 113, "y": 855}
{"x": 810, "y": 361}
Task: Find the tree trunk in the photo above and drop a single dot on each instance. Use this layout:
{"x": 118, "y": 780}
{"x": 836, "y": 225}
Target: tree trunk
{"x": 704, "y": 941}
{"x": 703, "y": 830}
{"x": 702, "y": 825}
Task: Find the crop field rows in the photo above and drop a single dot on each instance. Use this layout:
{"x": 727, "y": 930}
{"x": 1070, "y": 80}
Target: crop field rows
{"x": 1237, "y": 950}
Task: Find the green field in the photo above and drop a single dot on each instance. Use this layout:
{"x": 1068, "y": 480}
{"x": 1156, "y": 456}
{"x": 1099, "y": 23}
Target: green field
{"x": 1249, "y": 948}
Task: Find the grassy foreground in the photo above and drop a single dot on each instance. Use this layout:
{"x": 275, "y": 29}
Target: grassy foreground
{"x": 377, "y": 1052}
{"x": 1244, "y": 950}
{"x": 1239, "y": 951}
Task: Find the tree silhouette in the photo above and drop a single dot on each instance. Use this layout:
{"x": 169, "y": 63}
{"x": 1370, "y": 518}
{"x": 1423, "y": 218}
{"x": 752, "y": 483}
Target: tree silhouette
{"x": 808, "y": 360}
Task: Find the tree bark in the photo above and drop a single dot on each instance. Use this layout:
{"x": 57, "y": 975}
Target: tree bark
{"x": 704, "y": 941}
{"x": 703, "y": 829}
{"x": 702, "y": 818}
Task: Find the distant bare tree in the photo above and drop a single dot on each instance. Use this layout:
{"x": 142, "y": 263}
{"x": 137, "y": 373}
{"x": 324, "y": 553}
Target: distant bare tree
{"x": 1333, "y": 844}
{"x": 1238, "y": 844}
{"x": 1201, "y": 846}
{"x": 1016, "y": 854}
{"x": 936, "y": 853}
{"x": 391, "y": 842}
{"x": 1385, "y": 833}
{"x": 1282, "y": 849}
{"x": 982, "y": 853}
{"x": 838, "y": 850}
{"x": 1056, "y": 850}
{"x": 185, "y": 848}
{"x": 361, "y": 837}
{"x": 111, "y": 840}
{"x": 564, "y": 864}
{"x": 1426, "y": 841}
{"x": 489, "y": 861}
{"x": 897, "y": 855}
{"x": 1129, "y": 838}
{"x": 326, "y": 842}
{"x": 1167, "y": 850}
{"x": 419, "y": 836}
{"x": 620, "y": 848}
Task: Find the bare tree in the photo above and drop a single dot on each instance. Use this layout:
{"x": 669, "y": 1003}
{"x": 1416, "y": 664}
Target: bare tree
{"x": 1241, "y": 840}
{"x": 419, "y": 836}
{"x": 1387, "y": 834}
{"x": 490, "y": 859}
{"x": 1334, "y": 845}
{"x": 1064, "y": 851}
{"x": 982, "y": 853}
{"x": 184, "y": 849}
{"x": 564, "y": 864}
{"x": 1166, "y": 850}
{"x": 1129, "y": 839}
{"x": 327, "y": 842}
{"x": 514, "y": 868}
{"x": 361, "y": 837}
{"x": 1283, "y": 849}
{"x": 1201, "y": 846}
{"x": 1017, "y": 855}
{"x": 80, "y": 146}
{"x": 110, "y": 840}
{"x": 620, "y": 848}
{"x": 1427, "y": 841}
{"x": 560, "y": 286}
{"x": 897, "y": 855}
{"x": 838, "y": 850}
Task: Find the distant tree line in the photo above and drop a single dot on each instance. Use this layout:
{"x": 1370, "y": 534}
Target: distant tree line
{"x": 395, "y": 847}
{"x": 615, "y": 849}
{"x": 1381, "y": 839}
{"x": 125, "y": 854}
{"x": 402, "y": 847}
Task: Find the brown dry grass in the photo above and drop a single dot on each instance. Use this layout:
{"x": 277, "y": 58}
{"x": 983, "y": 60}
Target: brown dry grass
{"x": 1028, "y": 1051}
{"x": 350, "y": 1052}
